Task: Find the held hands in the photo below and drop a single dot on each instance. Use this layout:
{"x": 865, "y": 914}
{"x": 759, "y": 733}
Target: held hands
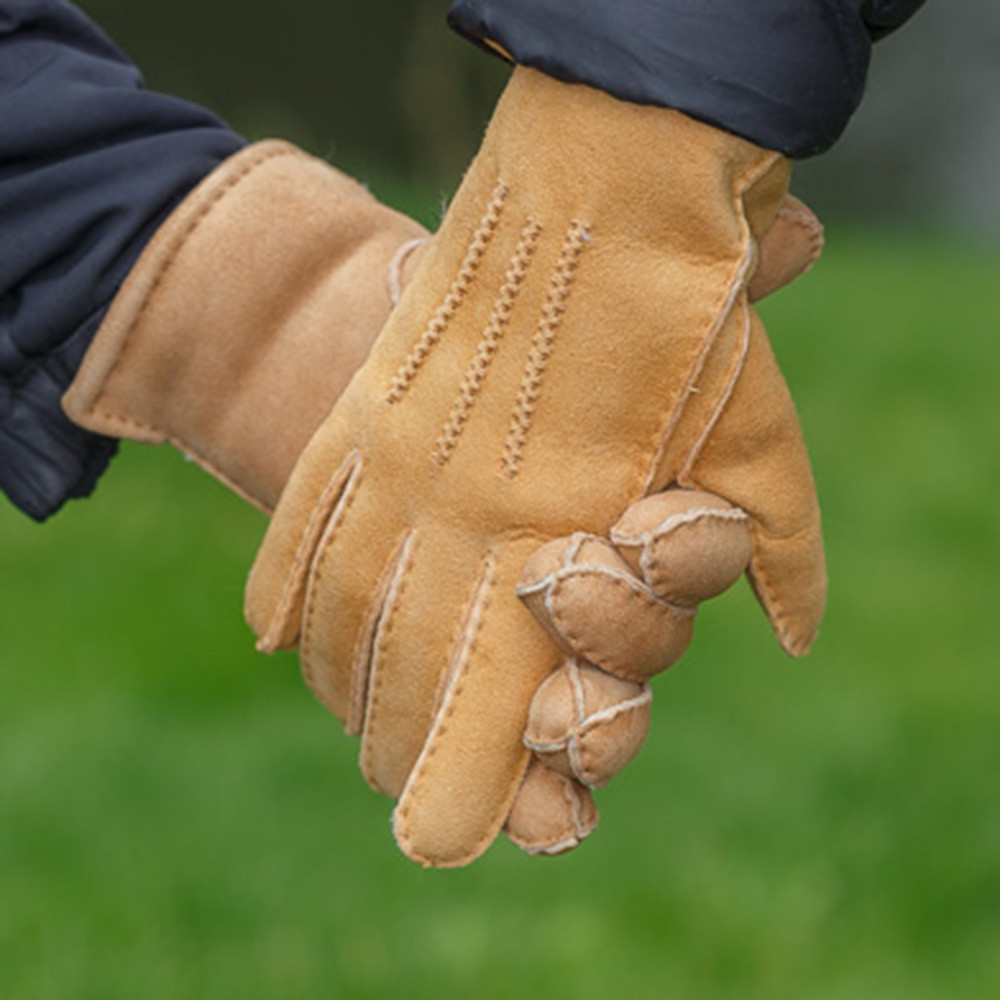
{"x": 623, "y": 609}
{"x": 577, "y": 337}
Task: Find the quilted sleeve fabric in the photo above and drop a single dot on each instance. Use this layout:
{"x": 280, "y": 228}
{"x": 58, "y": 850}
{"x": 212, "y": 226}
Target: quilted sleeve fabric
{"x": 785, "y": 74}
{"x": 90, "y": 163}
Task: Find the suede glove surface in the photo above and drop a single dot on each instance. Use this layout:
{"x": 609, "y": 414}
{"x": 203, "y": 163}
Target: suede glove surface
{"x": 245, "y": 317}
{"x": 577, "y": 336}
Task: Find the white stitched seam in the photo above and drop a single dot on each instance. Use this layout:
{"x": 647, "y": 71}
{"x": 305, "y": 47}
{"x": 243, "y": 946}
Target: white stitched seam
{"x": 576, "y": 685}
{"x": 489, "y": 342}
{"x": 533, "y": 744}
{"x": 547, "y": 584}
{"x": 305, "y": 554}
{"x": 612, "y": 712}
{"x": 668, "y": 526}
{"x": 396, "y": 265}
{"x": 689, "y": 387}
{"x": 675, "y": 521}
{"x": 398, "y": 568}
{"x": 557, "y": 848}
{"x": 724, "y": 398}
{"x": 527, "y": 589}
{"x": 573, "y": 549}
{"x": 577, "y": 812}
{"x": 455, "y": 672}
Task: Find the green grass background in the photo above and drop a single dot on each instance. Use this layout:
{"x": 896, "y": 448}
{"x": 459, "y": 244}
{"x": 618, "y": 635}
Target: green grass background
{"x": 178, "y": 819}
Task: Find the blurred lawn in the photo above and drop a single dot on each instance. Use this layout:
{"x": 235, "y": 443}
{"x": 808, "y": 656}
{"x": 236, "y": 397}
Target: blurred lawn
{"x": 179, "y": 819}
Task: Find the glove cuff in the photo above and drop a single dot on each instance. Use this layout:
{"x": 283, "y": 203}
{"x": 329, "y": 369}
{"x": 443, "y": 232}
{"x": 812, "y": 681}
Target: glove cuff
{"x": 245, "y": 317}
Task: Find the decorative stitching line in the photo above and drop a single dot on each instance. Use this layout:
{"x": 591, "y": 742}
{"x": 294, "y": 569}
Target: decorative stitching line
{"x": 576, "y": 811}
{"x": 728, "y": 301}
{"x": 608, "y": 714}
{"x": 777, "y": 612}
{"x": 336, "y": 495}
{"x": 318, "y": 565}
{"x": 456, "y": 678}
{"x": 727, "y": 394}
{"x": 577, "y": 237}
{"x": 369, "y": 642}
{"x": 489, "y": 343}
{"x": 575, "y": 803}
{"x": 459, "y": 287}
{"x": 398, "y": 262}
{"x": 670, "y": 524}
{"x": 636, "y": 589}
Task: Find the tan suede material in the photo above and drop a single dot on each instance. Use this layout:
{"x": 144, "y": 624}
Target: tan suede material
{"x": 552, "y": 814}
{"x": 623, "y": 612}
{"x": 531, "y": 383}
{"x": 687, "y": 545}
{"x": 587, "y": 724}
{"x": 592, "y": 604}
{"x": 788, "y": 250}
{"x": 245, "y": 317}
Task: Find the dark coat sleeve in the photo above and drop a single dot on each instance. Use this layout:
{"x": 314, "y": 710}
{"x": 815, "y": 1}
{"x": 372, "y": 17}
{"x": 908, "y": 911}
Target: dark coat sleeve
{"x": 786, "y": 74}
{"x": 90, "y": 163}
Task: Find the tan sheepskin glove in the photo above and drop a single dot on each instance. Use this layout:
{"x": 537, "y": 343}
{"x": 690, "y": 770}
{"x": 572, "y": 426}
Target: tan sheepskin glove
{"x": 577, "y": 336}
{"x": 246, "y": 315}
{"x": 260, "y": 297}
{"x": 622, "y": 608}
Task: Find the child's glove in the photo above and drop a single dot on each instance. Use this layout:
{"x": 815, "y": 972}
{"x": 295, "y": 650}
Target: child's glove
{"x": 623, "y": 612}
{"x": 577, "y": 336}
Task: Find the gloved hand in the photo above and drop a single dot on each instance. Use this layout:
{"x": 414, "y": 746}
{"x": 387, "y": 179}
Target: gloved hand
{"x": 259, "y": 298}
{"x": 630, "y": 609}
{"x": 622, "y": 608}
{"x": 249, "y": 312}
{"x": 578, "y": 336}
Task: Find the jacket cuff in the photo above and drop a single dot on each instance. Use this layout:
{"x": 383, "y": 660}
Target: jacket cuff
{"x": 45, "y": 459}
{"x": 785, "y": 74}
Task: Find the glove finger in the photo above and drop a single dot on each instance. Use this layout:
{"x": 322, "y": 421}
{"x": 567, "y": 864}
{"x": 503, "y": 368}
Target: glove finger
{"x": 343, "y": 604}
{"x": 551, "y": 814}
{"x": 409, "y": 654}
{"x": 472, "y": 763}
{"x": 596, "y": 608}
{"x": 688, "y": 545}
{"x": 755, "y": 457}
{"x": 791, "y": 246}
{"x": 586, "y": 724}
{"x": 308, "y": 511}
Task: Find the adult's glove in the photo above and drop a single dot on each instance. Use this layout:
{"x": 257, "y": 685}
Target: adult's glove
{"x": 622, "y": 608}
{"x": 245, "y": 317}
{"x": 578, "y": 336}
{"x": 247, "y": 314}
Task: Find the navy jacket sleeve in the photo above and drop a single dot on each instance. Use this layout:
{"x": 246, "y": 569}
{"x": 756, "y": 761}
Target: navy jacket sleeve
{"x": 786, "y": 74}
{"x": 90, "y": 163}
